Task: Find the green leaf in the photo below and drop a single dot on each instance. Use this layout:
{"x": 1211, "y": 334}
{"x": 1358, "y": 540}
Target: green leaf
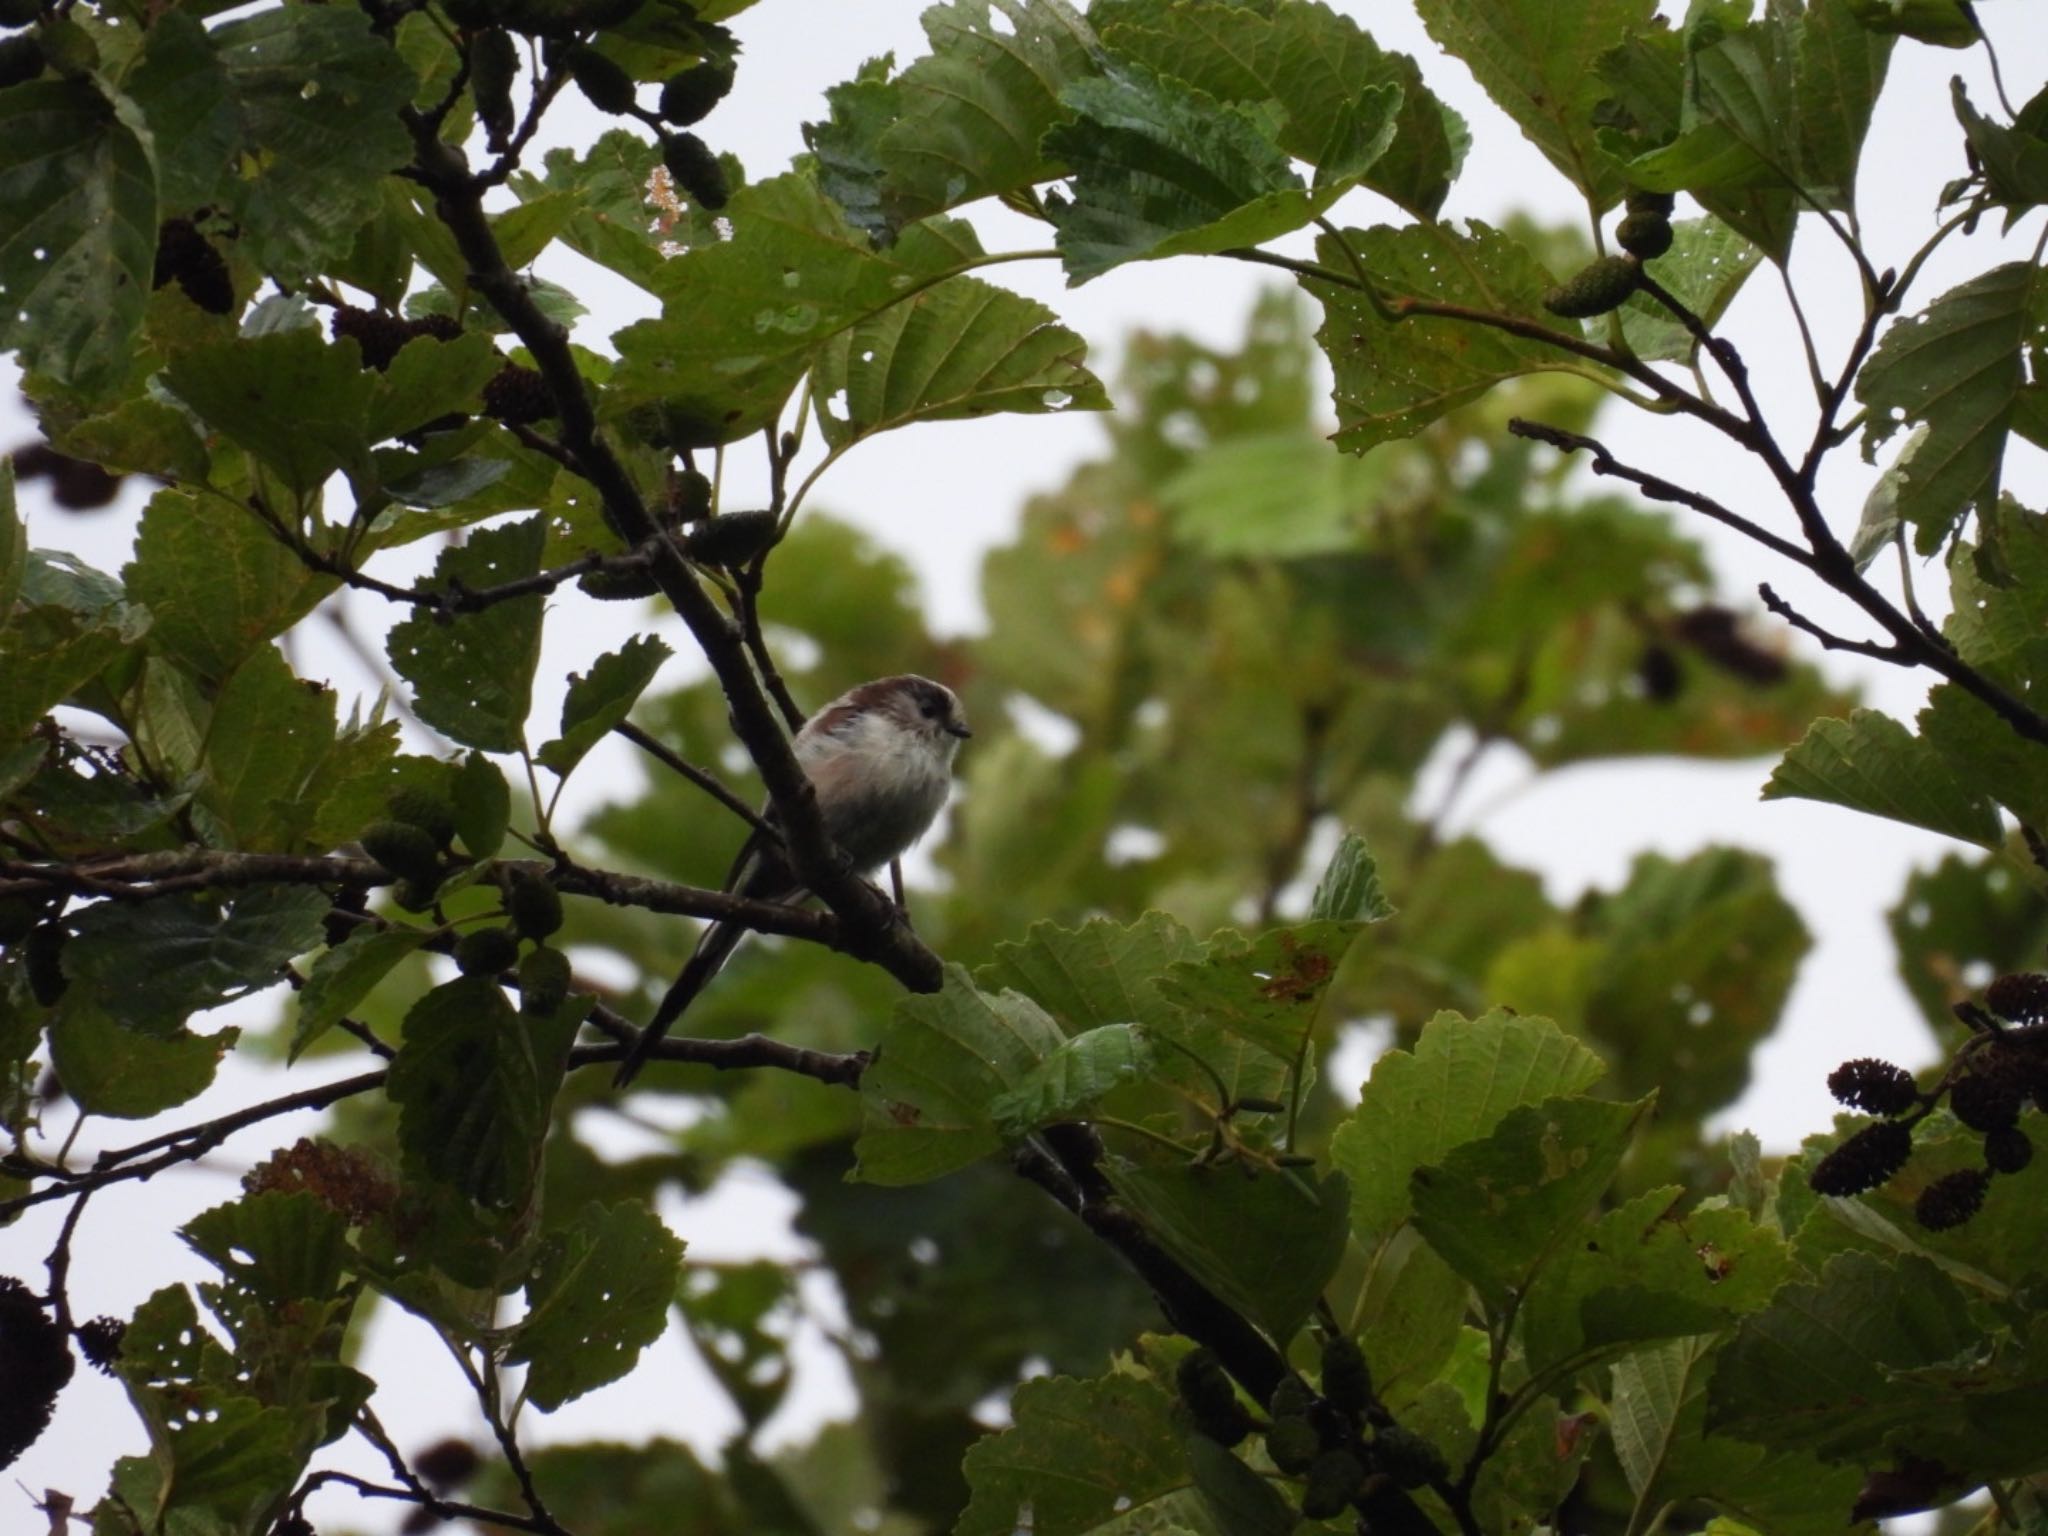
{"x": 282, "y": 1247}
{"x": 151, "y": 963}
{"x": 1082, "y": 1070}
{"x": 343, "y": 976}
{"x": 959, "y": 350}
{"x": 474, "y": 1083}
{"x": 1266, "y": 991}
{"x": 1395, "y": 377}
{"x": 1658, "y": 1416}
{"x": 1349, "y": 891}
{"x": 145, "y": 436}
{"x": 1461, "y": 1080}
{"x": 483, "y": 806}
{"x": 320, "y": 93}
{"x": 1317, "y": 66}
{"x": 963, "y": 122}
{"x": 288, "y": 397}
{"x": 1705, "y": 268}
{"x": 1240, "y": 1500}
{"x": 429, "y": 378}
{"x": 270, "y": 736}
{"x": 1498, "y": 1209}
{"x": 1962, "y": 919}
{"x": 1871, "y": 763}
{"x": 1985, "y": 754}
{"x": 941, "y": 1063}
{"x": 1837, "y": 73}
{"x": 181, "y": 84}
{"x": 125, "y": 1074}
{"x": 1266, "y": 1246}
{"x": 77, "y": 231}
{"x": 1700, "y": 955}
{"x": 472, "y": 675}
{"x": 1162, "y": 169}
{"x": 1944, "y": 23}
{"x": 1536, "y": 60}
{"x": 601, "y": 698}
{"x": 46, "y": 655}
{"x": 2014, "y": 160}
{"x": 1826, "y": 1367}
{"x": 1645, "y": 1271}
{"x": 608, "y": 191}
{"x": 599, "y": 1295}
{"x": 1098, "y": 974}
{"x": 1999, "y": 615}
{"x": 1956, "y": 367}
{"x": 743, "y": 318}
{"x": 1277, "y": 496}
{"x": 1081, "y": 1456}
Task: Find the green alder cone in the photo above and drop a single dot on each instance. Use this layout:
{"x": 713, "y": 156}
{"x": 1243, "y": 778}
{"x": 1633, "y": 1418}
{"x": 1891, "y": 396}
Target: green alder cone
{"x": 1600, "y": 286}
{"x": 431, "y": 813}
{"x": 731, "y": 539}
{"x": 605, "y": 84}
{"x": 493, "y": 66}
{"x": 486, "y": 951}
{"x": 688, "y": 97}
{"x": 696, "y": 169}
{"x": 618, "y": 586}
{"x": 534, "y": 906}
{"x": 404, "y": 849}
{"x": 1645, "y": 236}
{"x": 1347, "y": 1382}
{"x": 1408, "y": 1458}
{"x": 1332, "y": 1482}
{"x": 1293, "y": 1444}
{"x": 544, "y": 979}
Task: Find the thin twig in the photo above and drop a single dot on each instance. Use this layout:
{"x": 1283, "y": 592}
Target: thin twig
{"x": 703, "y": 778}
{"x": 1829, "y": 640}
{"x": 1656, "y": 487}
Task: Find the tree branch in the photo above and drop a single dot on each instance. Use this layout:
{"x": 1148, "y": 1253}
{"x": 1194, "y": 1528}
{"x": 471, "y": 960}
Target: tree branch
{"x": 703, "y": 778}
{"x": 1828, "y": 639}
{"x": 1656, "y": 487}
{"x": 881, "y": 935}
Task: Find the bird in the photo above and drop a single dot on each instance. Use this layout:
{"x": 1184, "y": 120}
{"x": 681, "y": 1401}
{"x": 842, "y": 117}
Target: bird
{"x": 880, "y": 759}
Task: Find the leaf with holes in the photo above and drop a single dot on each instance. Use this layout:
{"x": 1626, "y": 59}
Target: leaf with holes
{"x": 599, "y": 1295}
{"x": 472, "y": 675}
{"x": 960, "y": 350}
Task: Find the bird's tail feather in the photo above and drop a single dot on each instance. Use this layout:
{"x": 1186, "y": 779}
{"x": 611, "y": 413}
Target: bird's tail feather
{"x": 713, "y": 950}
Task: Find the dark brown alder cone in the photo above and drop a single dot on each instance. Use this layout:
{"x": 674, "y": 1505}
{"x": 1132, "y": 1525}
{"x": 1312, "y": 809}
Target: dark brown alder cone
{"x": 2007, "y": 1151}
{"x": 1985, "y": 1103}
{"x": 35, "y": 1363}
{"x": 1951, "y": 1200}
{"x": 696, "y": 169}
{"x": 1716, "y": 633}
{"x": 2021, "y": 998}
{"x": 1211, "y": 1399}
{"x": 186, "y": 257}
{"x": 1864, "y": 1161}
{"x": 100, "y": 1339}
{"x": 382, "y": 336}
{"x": 518, "y": 396}
{"x": 1875, "y": 1086}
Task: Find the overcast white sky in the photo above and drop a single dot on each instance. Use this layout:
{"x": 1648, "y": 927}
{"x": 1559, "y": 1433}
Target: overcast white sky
{"x": 943, "y": 495}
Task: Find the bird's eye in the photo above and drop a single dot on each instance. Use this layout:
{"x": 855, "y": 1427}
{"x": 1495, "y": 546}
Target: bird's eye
{"x": 932, "y": 708}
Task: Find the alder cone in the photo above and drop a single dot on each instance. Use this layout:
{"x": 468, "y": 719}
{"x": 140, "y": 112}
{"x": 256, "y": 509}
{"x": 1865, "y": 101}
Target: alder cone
{"x": 1601, "y": 285}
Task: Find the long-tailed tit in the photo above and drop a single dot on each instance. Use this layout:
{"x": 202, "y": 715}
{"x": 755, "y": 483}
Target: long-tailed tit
{"x": 880, "y": 757}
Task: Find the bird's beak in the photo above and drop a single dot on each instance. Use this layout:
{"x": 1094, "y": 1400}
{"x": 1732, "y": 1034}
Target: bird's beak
{"x": 955, "y": 728}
